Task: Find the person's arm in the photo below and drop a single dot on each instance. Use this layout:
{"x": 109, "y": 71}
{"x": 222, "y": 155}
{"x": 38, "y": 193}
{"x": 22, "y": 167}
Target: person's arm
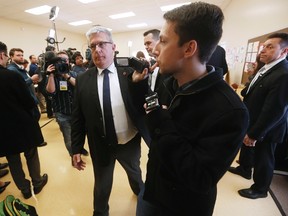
{"x": 70, "y": 78}
{"x": 78, "y": 132}
{"x": 50, "y": 87}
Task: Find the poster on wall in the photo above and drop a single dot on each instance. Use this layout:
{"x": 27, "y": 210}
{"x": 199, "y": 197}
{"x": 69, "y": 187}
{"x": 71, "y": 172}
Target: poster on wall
{"x": 250, "y": 47}
{"x": 248, "y": 57}
{"x": 253, "y": 57}
{"x": 256, "y": 46}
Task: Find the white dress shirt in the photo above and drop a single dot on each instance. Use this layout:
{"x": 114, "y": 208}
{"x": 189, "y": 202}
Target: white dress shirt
{"x": 124, "y": 127}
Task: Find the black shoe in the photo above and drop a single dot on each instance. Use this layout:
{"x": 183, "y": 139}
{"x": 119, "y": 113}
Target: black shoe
{"x": 252, "y": 194}
{"x": 3, "y": 172}
{"x": 51, "y": 116}
{"x": 3, "y": 165}
{"x": 42, "y": 144}
{"x": 2, "y": 188}
{"x": 240, "y": 171}
{"x": 84, "y": 152}
{"x": 39, "y": 188}
{"x": 27, "y": 194}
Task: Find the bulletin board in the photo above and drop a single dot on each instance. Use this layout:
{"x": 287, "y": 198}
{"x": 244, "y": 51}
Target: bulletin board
{"x": 253, "y": 49}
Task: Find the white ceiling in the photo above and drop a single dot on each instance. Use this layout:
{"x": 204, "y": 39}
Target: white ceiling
{"x": 147, "y": 11}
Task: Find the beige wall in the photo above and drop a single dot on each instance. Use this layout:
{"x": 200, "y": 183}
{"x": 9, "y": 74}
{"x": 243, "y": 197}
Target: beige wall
{"x": 244, "y": 19}
{"x": 31, "y": 38}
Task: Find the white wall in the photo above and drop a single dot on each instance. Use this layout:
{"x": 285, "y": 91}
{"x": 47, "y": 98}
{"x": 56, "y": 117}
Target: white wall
{"x": 31, "y": 39}
{"x": 244, "y": 19}
{"x": 136, "y": 37}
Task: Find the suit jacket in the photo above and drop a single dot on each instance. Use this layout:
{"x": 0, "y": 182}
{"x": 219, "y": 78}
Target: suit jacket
{"x": 19, "y": 130}
{"x": 267, "y": 102}
{"x": 87, "y": 115}
{"x": 218, "y": 59}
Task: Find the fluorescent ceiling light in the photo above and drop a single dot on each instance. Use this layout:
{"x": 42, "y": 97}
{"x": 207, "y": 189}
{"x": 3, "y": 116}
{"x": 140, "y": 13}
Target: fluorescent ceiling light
{"x": 39, "y": 10}
{"x": 137, "y": 25}
{"x": 171, "y": 7}
{"x": 81, "y": 22}
{"x": 122, "y": 15}
{"x": 87, "y": 1}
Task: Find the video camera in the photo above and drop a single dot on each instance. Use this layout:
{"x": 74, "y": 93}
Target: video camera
{"x": 61, "y": 67}
{"x": 132, "y": 62}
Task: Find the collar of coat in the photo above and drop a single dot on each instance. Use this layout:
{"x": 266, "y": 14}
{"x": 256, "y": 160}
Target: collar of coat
{"x": 214, "y": 75}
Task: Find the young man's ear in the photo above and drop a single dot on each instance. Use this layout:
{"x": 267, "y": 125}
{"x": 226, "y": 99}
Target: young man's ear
{"x": 191, "y": 48}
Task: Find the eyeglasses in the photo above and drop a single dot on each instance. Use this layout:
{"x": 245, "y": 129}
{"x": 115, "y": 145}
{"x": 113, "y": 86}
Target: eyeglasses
{"x": 101, "y": 45}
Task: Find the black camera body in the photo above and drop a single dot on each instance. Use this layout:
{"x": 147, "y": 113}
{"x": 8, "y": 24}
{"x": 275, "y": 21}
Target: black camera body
{"x": 132, "y": 62}
{"x": 61, "y": 67}
{"x": 152, "y": 101}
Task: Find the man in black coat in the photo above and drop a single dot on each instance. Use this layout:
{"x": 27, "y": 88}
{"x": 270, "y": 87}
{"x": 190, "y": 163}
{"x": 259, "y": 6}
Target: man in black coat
{"x": 267, "y": 101}
{"x": 117, "y": 139}
{"x": 20, "y": 131}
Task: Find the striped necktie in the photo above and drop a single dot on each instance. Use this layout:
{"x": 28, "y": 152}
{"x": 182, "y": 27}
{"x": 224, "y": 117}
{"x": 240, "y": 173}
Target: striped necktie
{"x": 258, "y": 74}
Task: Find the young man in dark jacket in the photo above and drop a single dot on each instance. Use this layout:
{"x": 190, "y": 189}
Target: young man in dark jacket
{"x": 197, "y": 135}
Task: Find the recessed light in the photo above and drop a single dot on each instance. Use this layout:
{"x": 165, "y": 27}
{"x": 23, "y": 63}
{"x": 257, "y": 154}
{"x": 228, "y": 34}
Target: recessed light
{"x": 137, "y": 25}
{"x": 87, "y": 1}
{"x": 171, "y": 7}
{"x": 122, "y": 15}
{"x": 81, "y": 22}
{"x": 39, "y": 10}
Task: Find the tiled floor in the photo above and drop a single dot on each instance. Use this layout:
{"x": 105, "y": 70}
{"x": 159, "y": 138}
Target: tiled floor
{"x": 69, "y": 191}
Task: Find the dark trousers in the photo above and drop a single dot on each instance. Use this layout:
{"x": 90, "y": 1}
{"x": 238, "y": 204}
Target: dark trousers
{"x": 264, "y": 162}
{"x": 128, "y": 155}
{"x": 18, "y": 175}
{"x": 246, "y": 158}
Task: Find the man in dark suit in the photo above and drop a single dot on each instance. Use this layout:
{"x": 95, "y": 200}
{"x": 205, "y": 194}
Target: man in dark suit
{"x": 267, "y": 101}
{"x": 156, "y": 78}
{"x": 218, "y": 59}
{"x": 108, "y": 118}
{"x": 20, "y": 131}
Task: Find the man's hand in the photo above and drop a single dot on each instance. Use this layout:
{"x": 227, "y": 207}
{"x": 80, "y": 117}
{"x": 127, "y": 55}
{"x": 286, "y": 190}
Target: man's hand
{"x": 137, "y": 77}
{"x": 248, "y": 141}
{"x": 154, "y": 66}
{"x": 77, "y": 162}
{"x": 35, "y": 78}
{"x": 50, "y": 68}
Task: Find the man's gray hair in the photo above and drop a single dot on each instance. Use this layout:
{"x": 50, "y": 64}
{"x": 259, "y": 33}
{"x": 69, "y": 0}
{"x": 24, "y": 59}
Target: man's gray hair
{"x": 99, "y": 29}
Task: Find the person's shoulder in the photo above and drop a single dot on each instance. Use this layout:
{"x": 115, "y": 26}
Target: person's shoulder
{"x": 11, "y": 74}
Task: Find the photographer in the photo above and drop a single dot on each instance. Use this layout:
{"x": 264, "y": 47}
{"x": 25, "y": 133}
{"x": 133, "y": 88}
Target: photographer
{"x": 60, "y": 86}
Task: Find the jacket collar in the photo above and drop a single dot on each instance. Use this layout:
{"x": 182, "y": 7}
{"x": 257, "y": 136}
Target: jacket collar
{"x": 213, "y": 76}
